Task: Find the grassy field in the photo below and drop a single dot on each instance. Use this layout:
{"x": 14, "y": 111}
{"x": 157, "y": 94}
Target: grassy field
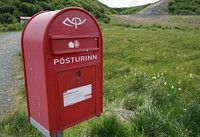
{"x": 152, "y": 71}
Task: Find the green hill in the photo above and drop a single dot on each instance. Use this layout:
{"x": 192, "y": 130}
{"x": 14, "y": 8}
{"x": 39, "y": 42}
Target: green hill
{"x": 184, "y": 7}
{"x": 10, "y": 10}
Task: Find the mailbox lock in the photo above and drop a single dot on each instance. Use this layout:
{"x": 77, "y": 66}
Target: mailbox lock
{"x": 71, "y": 45}
{"x": 74, "y": 44}
{"x": 78, "y": 76}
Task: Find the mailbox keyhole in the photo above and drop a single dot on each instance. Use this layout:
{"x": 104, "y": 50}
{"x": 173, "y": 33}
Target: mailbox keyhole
{"x": 78, "y": 76}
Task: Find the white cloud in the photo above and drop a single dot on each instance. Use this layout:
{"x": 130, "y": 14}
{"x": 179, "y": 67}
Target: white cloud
{"x": 126, "y": 3}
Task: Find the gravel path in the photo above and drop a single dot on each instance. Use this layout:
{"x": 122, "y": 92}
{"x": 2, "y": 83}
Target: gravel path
{"x": 158, "y": 8}
{"x": 9, "y": 83}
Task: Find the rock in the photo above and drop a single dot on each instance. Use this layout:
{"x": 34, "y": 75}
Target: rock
{"x": 123, "y": 114}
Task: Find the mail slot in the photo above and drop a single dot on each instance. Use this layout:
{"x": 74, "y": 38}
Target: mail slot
{"x": 62, "y": 56}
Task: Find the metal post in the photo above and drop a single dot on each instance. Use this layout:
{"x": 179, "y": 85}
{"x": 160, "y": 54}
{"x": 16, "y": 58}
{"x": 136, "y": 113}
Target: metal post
{"x": 59, "y": 134}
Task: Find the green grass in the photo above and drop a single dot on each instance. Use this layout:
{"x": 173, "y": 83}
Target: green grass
{"x": 155, "y": 73}
{"x": 17, "y": 125}
{"x": 195, "y": 19}
{"x": 152, "y": 71}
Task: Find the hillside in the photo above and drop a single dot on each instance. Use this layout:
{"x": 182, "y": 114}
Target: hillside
{"x": 10, "y": 10}
{"x": 162, "y": 7}
{"x": 184, "y": 7}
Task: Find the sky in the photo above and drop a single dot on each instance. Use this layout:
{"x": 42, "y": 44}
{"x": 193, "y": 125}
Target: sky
{"x": 126, "y": 3}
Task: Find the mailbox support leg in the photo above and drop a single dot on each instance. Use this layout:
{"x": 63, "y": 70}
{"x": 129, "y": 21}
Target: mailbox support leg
{"x": 59, "y": 134}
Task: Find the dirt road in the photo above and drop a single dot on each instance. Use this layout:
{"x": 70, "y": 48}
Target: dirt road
{"x": 9, "y": 84}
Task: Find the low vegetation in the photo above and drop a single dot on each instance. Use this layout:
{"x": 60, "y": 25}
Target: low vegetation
{"x": 184, "y": 7}
{"x": 155, "y": 73}
{"x": 10, "y": 11}
{"x": 17, "y": 126}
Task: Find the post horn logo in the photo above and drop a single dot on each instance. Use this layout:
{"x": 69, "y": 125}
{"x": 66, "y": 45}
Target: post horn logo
{"x": 74, "y": 22}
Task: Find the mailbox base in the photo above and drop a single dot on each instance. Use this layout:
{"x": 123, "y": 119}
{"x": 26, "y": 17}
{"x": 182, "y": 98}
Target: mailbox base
{"x": 39, "y": 127}
{"x": 45, "y": 132}
{"x": 59, "y": 134}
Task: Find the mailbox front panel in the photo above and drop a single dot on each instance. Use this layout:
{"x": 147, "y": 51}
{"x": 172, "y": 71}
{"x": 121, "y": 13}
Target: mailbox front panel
{"x": 77, "y": 95}
{"x": 75, "y": 48}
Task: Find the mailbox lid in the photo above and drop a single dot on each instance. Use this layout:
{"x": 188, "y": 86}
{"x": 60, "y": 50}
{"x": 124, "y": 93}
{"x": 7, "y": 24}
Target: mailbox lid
{"x": 71, "y": 25}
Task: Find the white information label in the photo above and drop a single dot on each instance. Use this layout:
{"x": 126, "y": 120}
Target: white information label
{"x": 76, "y": 95}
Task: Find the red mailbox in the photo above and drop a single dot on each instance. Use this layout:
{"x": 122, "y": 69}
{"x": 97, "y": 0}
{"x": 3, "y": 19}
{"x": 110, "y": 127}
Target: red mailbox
{"x": 62, "y": 55}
